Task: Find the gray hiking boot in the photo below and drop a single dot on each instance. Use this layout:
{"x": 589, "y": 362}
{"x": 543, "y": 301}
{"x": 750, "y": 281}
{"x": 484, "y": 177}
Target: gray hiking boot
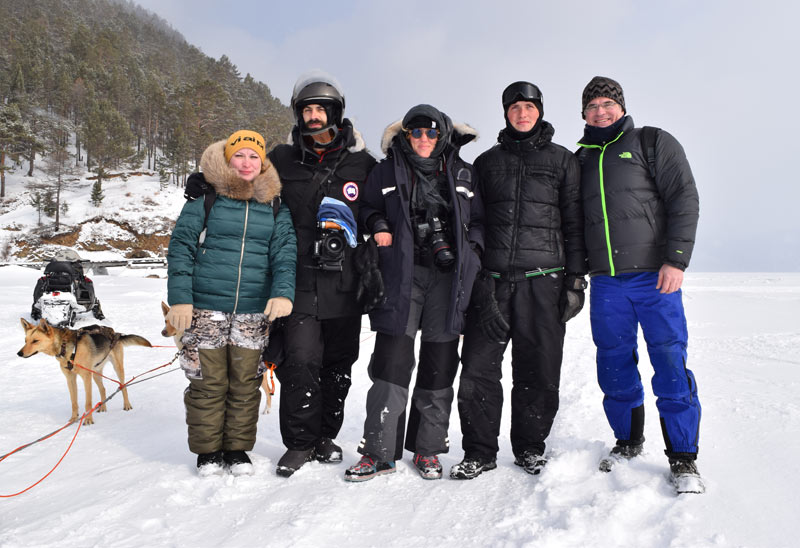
{"x": 428, "y": 467}
{"x": 292, "y": 460}
{"x": 532, "y": 462}
{"x": 685, "y": 477}
{"x": 472, "y": 467}
{"x": 622, "y": 451}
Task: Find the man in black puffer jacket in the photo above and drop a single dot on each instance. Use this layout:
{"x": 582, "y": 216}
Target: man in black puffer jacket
{"x": 531, "y": 284}
{"x": 641, "y": 213}
{"x": 325, "y": 160}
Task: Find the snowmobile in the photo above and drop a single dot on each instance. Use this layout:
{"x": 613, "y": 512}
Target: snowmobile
{"x": 62, "y": 293}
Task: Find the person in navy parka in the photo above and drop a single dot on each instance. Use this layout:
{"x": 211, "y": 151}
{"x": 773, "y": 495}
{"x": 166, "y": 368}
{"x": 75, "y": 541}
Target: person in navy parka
{"x": 421, "y": 207}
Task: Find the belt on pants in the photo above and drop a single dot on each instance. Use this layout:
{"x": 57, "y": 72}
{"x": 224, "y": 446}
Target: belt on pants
{"x": 519, "y": 275}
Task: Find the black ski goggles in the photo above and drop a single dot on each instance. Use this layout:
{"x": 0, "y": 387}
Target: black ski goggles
{"x": 521, "y": 91}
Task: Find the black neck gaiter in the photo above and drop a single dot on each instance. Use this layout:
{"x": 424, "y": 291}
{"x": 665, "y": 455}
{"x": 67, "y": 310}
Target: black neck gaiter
{"x": 601, "y": 135}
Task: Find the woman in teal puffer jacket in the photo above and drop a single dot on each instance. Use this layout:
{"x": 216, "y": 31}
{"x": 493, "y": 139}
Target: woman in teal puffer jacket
{"x": 224, "y": 291}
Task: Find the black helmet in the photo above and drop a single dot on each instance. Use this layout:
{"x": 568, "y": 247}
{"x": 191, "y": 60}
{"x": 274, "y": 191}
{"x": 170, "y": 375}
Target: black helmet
{"x": 521, "y": 91}
{"x": 320, "y": 88}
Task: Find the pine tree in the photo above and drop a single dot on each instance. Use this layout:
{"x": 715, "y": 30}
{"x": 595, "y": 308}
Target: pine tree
{"x": 58, "y": 165}
{"x": 107, "y": 137}
{"x": 12, "y": 136}
{"x": 31, "y": 143}
{"x": 49, "y": 203}
{"x": 97, "y": 195}
{"x": 38, "y": 204}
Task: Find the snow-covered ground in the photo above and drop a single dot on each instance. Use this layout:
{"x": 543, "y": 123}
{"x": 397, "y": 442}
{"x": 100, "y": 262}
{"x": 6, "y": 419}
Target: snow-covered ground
{"x": 129, "y": 479}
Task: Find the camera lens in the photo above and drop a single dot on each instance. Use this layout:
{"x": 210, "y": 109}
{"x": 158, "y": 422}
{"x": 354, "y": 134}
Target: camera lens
{"x": 443, "y": 256}
{"x": 329, "y": 250}
{"x": 333, "y": 244}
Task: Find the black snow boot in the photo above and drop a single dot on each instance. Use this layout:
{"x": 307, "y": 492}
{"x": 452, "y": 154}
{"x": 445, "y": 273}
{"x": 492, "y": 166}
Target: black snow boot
{"x": 210, "y": 464}
{"x": 292, "y": 460}
{"x": 327, "y": 451}
{"x": 238, "y": 463}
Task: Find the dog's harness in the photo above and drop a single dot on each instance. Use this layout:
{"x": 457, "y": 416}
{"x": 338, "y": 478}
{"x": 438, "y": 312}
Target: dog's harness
{"x": 71, "y": 359}
{"x": 91, "y": 330}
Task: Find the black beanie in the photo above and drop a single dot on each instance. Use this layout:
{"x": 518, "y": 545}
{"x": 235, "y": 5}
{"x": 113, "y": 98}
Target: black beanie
{"x": 600, "y": 86}
{"x": 421, "y": 121}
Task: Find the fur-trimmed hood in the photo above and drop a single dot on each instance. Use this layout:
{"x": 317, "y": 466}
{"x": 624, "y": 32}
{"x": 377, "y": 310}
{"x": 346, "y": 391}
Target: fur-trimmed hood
{"x": 264, "y": 188}
{"x": 461, "y": 135}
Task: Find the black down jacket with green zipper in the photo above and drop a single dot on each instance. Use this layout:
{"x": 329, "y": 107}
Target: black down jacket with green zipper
{"x": 634, "y": 223}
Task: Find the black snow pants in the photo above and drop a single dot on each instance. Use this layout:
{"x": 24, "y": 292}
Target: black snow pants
{"x": 315, "y": 377}
{"x": 531, "y": 309}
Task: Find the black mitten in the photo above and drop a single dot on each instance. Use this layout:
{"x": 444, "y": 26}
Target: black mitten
{"x": 490, "y": 320}
{"x": 370, "y": 281}
{"x": 572, "y": 297}
{"x": 196, "y": 186}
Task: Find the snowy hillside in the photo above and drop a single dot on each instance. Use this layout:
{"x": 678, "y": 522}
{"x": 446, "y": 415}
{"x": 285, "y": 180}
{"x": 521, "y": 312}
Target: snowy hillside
{"x": 136, "y": 214}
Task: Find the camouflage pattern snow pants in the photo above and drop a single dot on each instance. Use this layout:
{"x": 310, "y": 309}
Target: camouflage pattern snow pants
{"x": 222, "y": 399}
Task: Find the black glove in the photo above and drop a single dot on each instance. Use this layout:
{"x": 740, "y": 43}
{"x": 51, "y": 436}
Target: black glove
{"x": 490, "y": 320}
{"x": 370, "y": 281}
{"x": 572, "y": 297}
{"x": 196, "y": 186}
{"x": 275, "y": 351}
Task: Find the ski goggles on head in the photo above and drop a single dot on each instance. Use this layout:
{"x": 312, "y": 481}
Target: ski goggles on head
{"x": 521, "y": 91}
{"x": 418, "y": 132}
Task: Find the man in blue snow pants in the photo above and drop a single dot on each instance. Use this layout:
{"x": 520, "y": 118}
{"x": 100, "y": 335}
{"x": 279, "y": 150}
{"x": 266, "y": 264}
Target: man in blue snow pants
{"x": 641, "y": 210}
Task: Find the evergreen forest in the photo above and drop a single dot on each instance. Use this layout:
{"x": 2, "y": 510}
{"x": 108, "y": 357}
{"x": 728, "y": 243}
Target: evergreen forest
{"x": 106, "y": 85}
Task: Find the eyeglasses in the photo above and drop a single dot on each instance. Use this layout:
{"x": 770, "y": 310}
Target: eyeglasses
{"x": 418, "y": 132}
{"x": 607, "y": 105}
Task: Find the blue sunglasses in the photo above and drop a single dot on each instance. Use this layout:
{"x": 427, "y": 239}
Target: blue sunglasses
{"x": 416, "y": 133}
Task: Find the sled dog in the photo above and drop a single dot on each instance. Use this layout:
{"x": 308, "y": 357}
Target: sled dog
{"x": 88, "y": 347}
{"x": 170, "y": 331}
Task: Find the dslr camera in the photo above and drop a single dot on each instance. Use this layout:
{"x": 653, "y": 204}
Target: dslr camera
{"x": 329, "y": 247}
{"x": 433, "y": 233}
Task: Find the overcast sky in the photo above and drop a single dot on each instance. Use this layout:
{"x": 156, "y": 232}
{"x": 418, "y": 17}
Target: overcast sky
{"x": 718, "y": 75}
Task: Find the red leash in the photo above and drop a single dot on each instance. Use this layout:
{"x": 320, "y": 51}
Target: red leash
{"x": 80, "y": 421}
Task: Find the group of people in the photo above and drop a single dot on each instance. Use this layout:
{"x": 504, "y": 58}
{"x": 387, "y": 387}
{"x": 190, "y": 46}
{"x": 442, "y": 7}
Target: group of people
{"x": 299, "y": 242}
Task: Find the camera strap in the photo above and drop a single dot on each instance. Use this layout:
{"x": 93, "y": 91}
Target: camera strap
{"x": 322, "y": 175}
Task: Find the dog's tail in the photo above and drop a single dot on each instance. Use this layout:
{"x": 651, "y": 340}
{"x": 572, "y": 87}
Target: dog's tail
{"x": 133, "y": 340}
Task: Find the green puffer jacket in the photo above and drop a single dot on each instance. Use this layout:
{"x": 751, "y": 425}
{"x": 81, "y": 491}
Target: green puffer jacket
{"x": 249, "y": 255}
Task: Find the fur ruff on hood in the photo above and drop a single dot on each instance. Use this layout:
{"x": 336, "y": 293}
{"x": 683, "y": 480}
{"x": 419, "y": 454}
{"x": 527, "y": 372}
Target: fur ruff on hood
{"x": 217, "y": 172}
{"x": 462, "y": 134}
